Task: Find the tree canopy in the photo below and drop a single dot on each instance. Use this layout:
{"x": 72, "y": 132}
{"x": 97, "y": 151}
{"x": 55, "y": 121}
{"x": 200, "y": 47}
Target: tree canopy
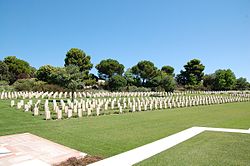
{"x": 116, "y": 82}
{"x": 4, "y": 72}
{"x": 168, "y": 70}
{"x": 144, "y": 70}
{"x": 44, "y": 72}
{"x": 241, "y": 84}
{"x": 193, "y": 73}
{"x": 128, "y": 75}
{"x": 17, "y": 68}
{"x": 109, "y": 67}
{"x": 79, "y": 58}
{"x": 208, "y": 81}
{"x": 223, "y": 80}
{"x": 66, "y": 76}
{"x": 162, "y": 82}
{"x": 168, "y": 83}
{"x": 144, "y": 76}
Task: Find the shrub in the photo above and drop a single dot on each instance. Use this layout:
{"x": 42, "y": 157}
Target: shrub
{"x": 4, "y": 86}
{"x": 50, "y": 88}
{"x": 24, "y": 84}
{"x": 136, "y": 89}
{"x": 34, "y": 85}
{"x": 168, "y": 84}
{"x": 117, "y": 82}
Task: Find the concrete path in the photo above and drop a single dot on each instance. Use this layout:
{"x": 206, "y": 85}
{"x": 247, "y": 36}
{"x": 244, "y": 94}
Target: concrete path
{"x": 141, "y": 153}
{"x": 30, "y": 150}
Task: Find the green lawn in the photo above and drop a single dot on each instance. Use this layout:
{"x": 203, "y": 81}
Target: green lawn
{"x": 113, "y": 134}
{"x": 208, "y": 148}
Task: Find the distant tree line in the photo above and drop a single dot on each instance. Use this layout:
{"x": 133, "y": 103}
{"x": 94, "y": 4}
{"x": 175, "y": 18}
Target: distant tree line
{"x": 143, "y": 76}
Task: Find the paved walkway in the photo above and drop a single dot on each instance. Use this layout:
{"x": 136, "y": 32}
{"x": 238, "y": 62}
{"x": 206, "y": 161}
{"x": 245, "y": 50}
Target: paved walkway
{"x": 141, "y": 153}
{"x": 30, "y": 150}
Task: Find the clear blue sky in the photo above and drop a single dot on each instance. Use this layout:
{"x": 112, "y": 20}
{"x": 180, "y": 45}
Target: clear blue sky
{"x": 166, "y": 32}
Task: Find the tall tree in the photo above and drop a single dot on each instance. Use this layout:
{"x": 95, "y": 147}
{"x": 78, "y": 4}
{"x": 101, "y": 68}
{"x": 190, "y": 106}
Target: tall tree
{"x": 193, "y": 73}
{"x": 144, "y": 70}
{"x": 17, "y": 68}
{"x": 208, "y": 81}
{"x": 162, "y": 81}
{"x": 79, "y": 58}
{"x": 44, "y": 72}
{"x": 33, "y": 72}
{"x": 168, "y": 83}
{"x": 168, "y": 69}
{"x": 241, "y": 84}
{"x": 63, "y": 76}
{"x": 224, "y": 80}
{"x": 128, "y": 75}
{"x": 116, "y": 82}
{"x": 4, "y": 71}
{"x": 69, "y": 77}
{"x": 73, "y": 78}
{"x": 156, "y": 80}
{"x": 109, "y": 67}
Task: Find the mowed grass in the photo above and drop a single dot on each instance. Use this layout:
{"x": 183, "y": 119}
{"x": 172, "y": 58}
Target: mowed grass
{"x": 208, "y": 148}
{"x": 112, "y": 134}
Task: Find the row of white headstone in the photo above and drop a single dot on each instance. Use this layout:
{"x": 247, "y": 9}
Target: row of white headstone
{"x": 99, "y": 106}
{"x": 52, "y": 95}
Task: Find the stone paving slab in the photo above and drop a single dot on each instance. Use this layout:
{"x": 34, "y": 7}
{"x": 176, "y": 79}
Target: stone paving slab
{"x": 29, "y": 149}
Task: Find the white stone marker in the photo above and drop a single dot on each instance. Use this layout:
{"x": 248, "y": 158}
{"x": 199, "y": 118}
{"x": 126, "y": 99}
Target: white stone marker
{"x": 79, "y": 113}
{"x": 59, "y": 114}
{"x": 66, "y": 108}
{"x": 26, "y": 107}
{"x": 47, "y": 115}
{"x": 69, "y": 113}
{"x": 89, "y": 111}
{"x": 12, "y": 103}
{"x": 120, "y": 110}
{"x": 133, "y": 108}
{"x": 35, "y": 111}
{"x": 97, "y": 111}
